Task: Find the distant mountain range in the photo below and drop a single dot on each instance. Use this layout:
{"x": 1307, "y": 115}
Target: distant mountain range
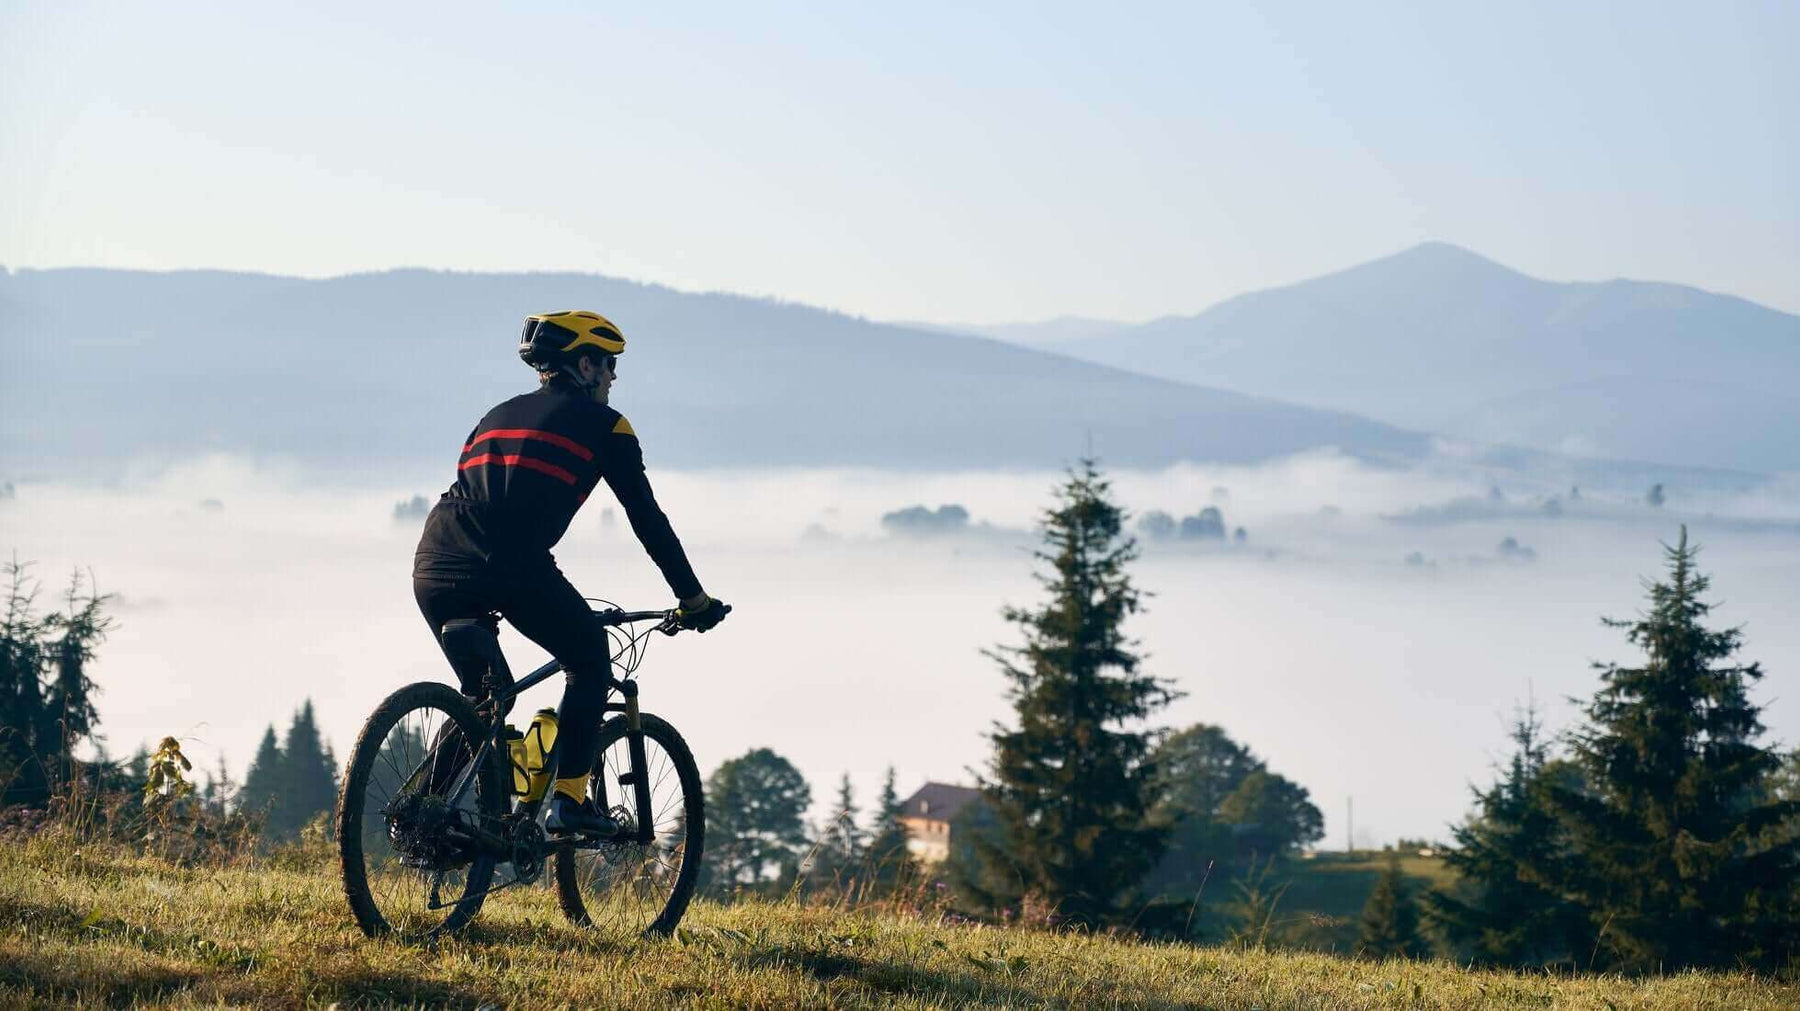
{"x": 1439, "y": 339}
{"x": 371, "y": 372}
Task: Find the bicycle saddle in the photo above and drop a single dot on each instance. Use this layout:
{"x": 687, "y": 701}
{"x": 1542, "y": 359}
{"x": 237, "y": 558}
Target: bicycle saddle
{"x": 473, "y": 649}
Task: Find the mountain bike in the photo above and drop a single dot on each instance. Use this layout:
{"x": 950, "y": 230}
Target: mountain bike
{"x": 429, "y": 823}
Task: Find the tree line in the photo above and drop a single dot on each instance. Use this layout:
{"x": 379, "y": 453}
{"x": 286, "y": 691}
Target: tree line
{"x": 1662, "y": 833}
{"x": 1658, "y": 833}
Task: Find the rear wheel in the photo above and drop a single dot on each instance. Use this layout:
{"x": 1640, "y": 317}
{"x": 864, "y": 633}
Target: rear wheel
{"x": 407, "y": 869}
{"x": 630, "y": 888}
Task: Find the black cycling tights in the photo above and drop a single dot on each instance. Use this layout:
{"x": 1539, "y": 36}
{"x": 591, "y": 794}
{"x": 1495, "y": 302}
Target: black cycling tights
{"x": 540, "y": 603}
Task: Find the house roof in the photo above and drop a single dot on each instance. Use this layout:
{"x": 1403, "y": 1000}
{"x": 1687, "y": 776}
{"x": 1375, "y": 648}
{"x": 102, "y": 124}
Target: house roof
{"x": 940, "y": 801}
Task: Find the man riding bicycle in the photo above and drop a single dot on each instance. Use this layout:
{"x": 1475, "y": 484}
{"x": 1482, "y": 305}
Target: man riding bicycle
{"x": 526, "y": 468}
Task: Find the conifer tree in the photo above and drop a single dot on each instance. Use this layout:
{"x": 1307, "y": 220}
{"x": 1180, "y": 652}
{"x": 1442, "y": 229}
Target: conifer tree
{"x": 219, "y": 789}
{"x": 22, "y": 661}
{"x": 262, "y": 780}
{"x": 308, "y": 779}
{"x": 840, "y": 841}
{"x": 137, "y": 768}
{"x": 68, "y": 712}
{"x": 1670, "y": 844}
{"x": 1508, "y": 916}
{"x": 1390, "y": 919}
{"x": 1071, "y": 787}
{"x": 46, "y": 696}
{"x": 888, "y": 859}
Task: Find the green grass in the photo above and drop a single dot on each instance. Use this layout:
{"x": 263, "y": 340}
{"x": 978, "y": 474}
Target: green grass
{"x": 97, "y": 925}
{"x": 1334, "y": 886}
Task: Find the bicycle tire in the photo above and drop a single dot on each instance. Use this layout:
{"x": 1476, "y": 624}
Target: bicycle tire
{"x": 689, "y": 823}
{"x": 380, "y": 739}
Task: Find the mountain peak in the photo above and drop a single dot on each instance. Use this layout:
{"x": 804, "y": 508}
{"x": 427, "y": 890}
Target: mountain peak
{"x": 1439, "y": 255}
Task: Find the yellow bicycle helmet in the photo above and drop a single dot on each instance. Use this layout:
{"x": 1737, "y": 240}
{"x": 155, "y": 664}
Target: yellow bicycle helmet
{"x": 553, "y": 340}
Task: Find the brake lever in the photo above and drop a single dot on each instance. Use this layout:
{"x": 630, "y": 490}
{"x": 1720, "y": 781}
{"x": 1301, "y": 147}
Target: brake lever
{"x": 670, "y": 625}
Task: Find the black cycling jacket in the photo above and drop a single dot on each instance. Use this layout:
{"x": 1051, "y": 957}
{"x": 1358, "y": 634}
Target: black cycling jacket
{"x": 525, "y": 469}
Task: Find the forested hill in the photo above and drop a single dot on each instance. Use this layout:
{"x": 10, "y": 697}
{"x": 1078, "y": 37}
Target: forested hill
{"x": 1440, "y": 339}
{"x": 371, "y": 370}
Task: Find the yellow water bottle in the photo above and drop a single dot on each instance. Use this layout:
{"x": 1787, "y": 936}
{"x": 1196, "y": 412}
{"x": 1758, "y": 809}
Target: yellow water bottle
{"x": 539, "y": 739}
{"x": 515, "y": 758}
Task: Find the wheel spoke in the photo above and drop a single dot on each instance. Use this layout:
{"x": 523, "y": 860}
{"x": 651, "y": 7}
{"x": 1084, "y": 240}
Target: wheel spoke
{"x": 401, "y": 856}
{"x": 625, "y": 888}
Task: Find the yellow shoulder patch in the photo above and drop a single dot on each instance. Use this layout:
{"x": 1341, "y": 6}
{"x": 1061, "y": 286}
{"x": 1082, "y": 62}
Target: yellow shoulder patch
{"x": 623, "y": 427}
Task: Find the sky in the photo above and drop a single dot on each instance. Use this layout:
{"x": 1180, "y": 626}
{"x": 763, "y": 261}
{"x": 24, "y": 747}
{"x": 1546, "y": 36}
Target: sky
{"x": 936, "y": 162}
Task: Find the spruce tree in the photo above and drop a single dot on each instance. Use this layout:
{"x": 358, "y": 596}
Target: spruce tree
{"x": 22, "y": 661}
{"x": 137, "y": 768}
{"x": 68, "y": 713}
{"x": 1071, "y": 786}
{"x": 1670, "y": 843}
{"x": 886, "y": 855}
{"x": 308, "y": 778}
{"x": 219, "y": 789}
{"x": 840, "y": 839}
{"x": 263, "y": 779}
{"x": 1390, "y": 919}
{"x": 1503, "y": 913}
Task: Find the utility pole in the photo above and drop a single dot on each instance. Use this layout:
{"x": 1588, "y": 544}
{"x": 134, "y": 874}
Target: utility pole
{"x": 1349, "y": 824}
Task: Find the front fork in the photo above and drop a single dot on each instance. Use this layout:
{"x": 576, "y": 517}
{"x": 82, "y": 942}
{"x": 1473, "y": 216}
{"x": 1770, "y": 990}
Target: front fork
{"x": 639, "y": 776}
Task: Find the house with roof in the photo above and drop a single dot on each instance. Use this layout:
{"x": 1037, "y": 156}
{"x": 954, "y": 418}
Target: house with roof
{"x": 927, "y": 815}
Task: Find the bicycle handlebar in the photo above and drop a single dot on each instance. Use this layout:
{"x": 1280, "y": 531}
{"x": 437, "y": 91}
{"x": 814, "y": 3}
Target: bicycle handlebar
{"x": 613, "y": 616}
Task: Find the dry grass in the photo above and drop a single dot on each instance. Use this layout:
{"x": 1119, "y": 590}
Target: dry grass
{"x": 97, "y": 925}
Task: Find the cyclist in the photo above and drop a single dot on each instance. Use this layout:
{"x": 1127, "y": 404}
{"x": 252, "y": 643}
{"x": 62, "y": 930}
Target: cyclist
{"x": 525, "y": 469}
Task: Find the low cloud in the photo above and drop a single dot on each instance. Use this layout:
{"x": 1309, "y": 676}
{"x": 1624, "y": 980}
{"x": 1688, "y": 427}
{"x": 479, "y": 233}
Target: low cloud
{"x": 852, "y": 648}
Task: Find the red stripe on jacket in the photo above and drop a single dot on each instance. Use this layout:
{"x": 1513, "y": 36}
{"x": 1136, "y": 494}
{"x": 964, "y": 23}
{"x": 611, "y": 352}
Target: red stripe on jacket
{"x": 531, "y": 433}
{"x": 520, "y": 461}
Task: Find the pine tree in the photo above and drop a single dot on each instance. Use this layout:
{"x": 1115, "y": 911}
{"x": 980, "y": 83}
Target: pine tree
{"x": 308, "y": 778}
{"x": 46, "y": 696}
{"x": 1509, "y": 916}
{"x": 1071, "y": 787}
{"x": 1390, "y": 919}
{"x": 137, "y": 768}
{"x": 263, "y": 779}
{"x": 219, "y": 789}
{"x": 22, "y": 661}
{"x": 888, "y": 859}
{"x": 840, "y": 839}
{"x": 1670, "y": 847}
{"x": 68, "y": 712}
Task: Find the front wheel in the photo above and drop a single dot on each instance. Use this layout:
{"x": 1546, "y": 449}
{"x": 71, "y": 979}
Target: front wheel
{"x": 627, "y": 887}
{"x": 407, "y": 863}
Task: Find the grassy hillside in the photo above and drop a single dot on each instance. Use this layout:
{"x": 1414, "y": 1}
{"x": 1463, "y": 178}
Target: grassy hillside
{"x": 90, "y": 924}
{"x": 1322, "y": 897}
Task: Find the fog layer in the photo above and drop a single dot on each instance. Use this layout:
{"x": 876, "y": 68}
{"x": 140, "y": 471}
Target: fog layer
{"x": 1367, "y": 636}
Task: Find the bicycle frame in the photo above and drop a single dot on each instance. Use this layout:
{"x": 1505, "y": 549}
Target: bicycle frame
{"x": 634, "y": 732}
